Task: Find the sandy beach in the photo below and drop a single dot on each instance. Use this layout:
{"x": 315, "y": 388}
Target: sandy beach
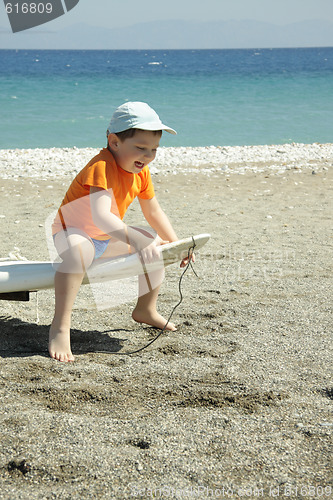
{"x": 238, "y": 401}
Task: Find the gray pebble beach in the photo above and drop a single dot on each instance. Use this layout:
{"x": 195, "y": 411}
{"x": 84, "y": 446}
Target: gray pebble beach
{"x": 238, "y": 401}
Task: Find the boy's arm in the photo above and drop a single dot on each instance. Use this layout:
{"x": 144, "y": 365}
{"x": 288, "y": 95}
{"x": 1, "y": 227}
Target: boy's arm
{"x": 157, "y": 219}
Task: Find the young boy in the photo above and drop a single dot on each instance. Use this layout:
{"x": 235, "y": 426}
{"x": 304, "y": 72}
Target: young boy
{"x": 89, "y": 222}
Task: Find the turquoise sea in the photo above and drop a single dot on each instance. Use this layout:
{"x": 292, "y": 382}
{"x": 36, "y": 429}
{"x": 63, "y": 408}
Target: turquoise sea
{"x": 211, "y": 97}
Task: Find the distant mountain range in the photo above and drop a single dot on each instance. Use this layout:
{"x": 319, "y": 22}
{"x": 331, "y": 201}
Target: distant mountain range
{"x": 175, "y": 34}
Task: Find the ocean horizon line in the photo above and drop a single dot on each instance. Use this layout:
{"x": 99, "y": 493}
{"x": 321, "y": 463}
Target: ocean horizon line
{"x": 172, "y": 50}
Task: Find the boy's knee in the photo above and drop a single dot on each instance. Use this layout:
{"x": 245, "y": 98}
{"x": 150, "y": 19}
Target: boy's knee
{"x": 77, "y": 253}
{"x": 76, "y": 260}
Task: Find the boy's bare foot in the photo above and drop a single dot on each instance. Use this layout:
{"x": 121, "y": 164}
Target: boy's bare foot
{"x": 152, "y": 319}
{"x": 59, "y": 345}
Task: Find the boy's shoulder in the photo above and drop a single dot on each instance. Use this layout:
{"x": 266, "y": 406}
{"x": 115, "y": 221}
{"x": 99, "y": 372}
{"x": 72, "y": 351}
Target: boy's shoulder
{"x": 104, "y": 155}
{"x": 98, "y": 165}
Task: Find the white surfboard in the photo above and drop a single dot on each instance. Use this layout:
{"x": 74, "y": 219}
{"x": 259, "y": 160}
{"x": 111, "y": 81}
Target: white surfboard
{"x": 28, "y": 276}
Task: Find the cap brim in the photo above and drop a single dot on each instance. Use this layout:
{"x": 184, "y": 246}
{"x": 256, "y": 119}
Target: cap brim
{"x": 170, "y": 130}
{"x": 156, "y": 126}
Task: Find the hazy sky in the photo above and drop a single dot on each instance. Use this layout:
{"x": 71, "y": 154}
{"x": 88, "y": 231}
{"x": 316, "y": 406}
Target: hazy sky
{"x": 128, "y": 12}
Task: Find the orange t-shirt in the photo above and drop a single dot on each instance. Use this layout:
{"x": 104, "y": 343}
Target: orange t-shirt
{"x": 103, "y": 172}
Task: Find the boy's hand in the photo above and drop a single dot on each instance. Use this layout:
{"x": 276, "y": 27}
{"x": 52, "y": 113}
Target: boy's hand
{"x": 150, "y": 253}
{"x": 159, "y": 241}
{"x": 185, "y": 261}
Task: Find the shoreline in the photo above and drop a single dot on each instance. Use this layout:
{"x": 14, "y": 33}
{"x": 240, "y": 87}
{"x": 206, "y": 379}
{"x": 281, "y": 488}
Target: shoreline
{"x": 54, "y": 162}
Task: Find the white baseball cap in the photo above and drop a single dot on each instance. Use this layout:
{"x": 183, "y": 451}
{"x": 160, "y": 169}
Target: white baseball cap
{"x": 136, "y": 115}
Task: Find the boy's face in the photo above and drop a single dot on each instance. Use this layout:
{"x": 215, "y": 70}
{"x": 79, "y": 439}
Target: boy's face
{"x": 134, "y": 153}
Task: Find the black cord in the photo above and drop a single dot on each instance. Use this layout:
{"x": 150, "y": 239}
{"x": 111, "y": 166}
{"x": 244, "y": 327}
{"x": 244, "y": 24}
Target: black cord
{"x": 189, "y": 264}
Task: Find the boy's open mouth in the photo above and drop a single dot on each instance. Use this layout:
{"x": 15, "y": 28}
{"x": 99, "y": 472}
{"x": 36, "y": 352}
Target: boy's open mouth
{"x": 139, "y": 164}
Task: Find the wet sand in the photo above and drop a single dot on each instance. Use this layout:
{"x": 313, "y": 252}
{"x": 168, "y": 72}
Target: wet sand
{"x": 237, "y": 402}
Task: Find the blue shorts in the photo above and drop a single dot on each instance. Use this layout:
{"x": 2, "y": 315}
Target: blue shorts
{"x": 100, "y": 247}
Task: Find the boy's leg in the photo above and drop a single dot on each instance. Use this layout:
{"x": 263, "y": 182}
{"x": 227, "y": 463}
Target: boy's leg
{"x": 145, "y": 310}
{"x": 77, "y": 252}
